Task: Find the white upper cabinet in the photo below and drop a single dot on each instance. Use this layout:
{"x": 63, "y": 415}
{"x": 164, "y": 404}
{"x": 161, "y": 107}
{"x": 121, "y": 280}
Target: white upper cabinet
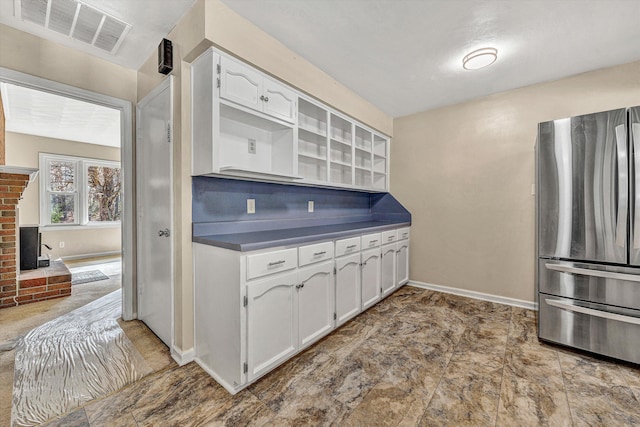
{"x": 248, "y": 124}
{"x": 246, "y": 86}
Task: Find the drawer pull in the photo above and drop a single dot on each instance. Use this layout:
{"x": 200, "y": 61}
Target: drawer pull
{"x": 593, "y": 312}
{"x": 319, "y": 253}
{"x": 273, "y": 264}
{"x": 390, "y": 238}
{"x": 589, "y": 272}
{"x": 351, "y": 246}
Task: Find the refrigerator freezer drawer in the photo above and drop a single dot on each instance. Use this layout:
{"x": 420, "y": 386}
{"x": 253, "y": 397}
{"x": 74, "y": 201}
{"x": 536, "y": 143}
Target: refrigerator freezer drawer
{"x": 601, "y": 329}
{"x": 618, "y": 286}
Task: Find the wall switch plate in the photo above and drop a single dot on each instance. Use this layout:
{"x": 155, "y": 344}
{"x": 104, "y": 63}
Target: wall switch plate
{"x": 533, "y": 189}
{"x": 252, "y": 146}
{"x": 251, "y": 206}
{"x": 310, "y": 206}
{"x": 61, "y": 245}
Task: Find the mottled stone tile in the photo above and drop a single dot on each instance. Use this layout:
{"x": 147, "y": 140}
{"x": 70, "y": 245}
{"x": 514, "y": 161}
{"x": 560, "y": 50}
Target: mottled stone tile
{"x": 243, "y": 409}
{"x": 124, "y": 419}
{"x": 272, "y": 387}
{"x": 632, "y": 375}
{"x": 466, "y": 307}
{"x": 176, "y": 396}
{"x": 467, "y": 395}
{"x": 597, "y": 391}
{"x": 77, "y": 418}
{"x": 483, "y": 342}
{"x": 405, "y": 296}
{"x": 532, "y": 390}
{"x": 309, "y": 410}
{"x": 155, "y": 352}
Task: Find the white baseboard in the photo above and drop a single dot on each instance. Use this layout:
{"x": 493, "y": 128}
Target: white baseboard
{"x": 476, "y": 295}
{"x": 183, "y": 357}
{"x": 96, "y": 255}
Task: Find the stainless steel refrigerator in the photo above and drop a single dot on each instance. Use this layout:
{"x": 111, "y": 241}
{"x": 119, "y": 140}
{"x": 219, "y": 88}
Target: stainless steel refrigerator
{"x": 588, "y": 232}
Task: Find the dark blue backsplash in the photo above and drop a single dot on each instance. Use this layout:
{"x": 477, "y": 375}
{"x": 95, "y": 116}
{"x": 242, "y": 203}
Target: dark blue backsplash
{"x": 217, "y": 200}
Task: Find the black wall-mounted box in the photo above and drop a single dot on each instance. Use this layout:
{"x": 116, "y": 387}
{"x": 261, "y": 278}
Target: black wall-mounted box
{"x": 29, "y": 247}
{"x": 165, "y": 56}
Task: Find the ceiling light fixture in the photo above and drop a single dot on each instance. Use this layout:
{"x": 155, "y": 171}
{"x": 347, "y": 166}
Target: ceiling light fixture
{"x": 480, "y": 58}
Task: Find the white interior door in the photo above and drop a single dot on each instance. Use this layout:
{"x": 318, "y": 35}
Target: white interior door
{"x": 154, "y": 196}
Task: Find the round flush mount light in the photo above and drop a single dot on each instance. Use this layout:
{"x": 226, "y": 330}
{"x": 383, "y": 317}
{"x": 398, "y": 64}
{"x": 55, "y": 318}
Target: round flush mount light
{"x": 480, "y": 58}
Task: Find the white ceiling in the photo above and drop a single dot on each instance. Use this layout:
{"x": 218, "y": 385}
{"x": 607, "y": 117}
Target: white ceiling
{"x": 44, "y": 114}
{"x": 150, "y": 21}
{"x": 405, "y": 56}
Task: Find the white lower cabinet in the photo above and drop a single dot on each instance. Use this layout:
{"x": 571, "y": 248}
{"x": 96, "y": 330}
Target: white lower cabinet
{"x": 402, "y": 262}
{"x": 348, "y": 299}
{"x": 255, "y": 310}
{"x": 315, "y": 302}
{"x": 370, "y": 277}
{"x": 388, "y": 269}
{"x": 272, "y": 322}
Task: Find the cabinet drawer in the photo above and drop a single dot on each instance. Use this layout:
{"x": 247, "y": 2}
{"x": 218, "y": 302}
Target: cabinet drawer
{"x": 271, "y": 262}
{"x": 389, "y": 236}
{"x": 404, "y": 233}
{"x": 315, "y": 253}
{"x": 371, "y": 240}
{"x": 347, "y": 246}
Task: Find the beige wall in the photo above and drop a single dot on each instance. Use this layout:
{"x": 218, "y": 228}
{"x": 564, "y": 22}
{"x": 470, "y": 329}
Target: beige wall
{"x": 211, "y": 23}
{"x": 465, "y": 172}
{"x": 29, "y": 54}
{"x": 23, "y": 150}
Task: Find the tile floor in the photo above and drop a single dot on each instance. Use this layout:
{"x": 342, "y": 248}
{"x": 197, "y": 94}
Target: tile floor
{"x": 418, "y": 358}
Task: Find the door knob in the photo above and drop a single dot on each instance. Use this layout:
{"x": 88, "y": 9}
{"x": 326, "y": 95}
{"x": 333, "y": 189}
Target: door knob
{"x": 163, "y": 233}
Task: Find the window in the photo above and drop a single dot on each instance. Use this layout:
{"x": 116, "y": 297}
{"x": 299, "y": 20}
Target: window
{"x": 79, "y": 191}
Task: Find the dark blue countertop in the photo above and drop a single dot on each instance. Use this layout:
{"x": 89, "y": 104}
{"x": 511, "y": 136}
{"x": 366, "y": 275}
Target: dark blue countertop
{"x": 250, "y": 241}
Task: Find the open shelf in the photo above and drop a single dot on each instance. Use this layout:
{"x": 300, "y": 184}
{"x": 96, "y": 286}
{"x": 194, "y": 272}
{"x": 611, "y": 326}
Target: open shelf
{"x": 340, "y": 152}
{"x": 380, "y": 180}
{"x": 311, "y": 117}
{"x": 363, "y": 139}
{"x": 363, "y": 177}
{"x": 379, "y": 146}
{"x": 340, "y": 129}
{"x": 312, "y": 156}
{"x": 363, "y": 159}
{"x": 273, "y": 143}
{"x": 340, "y": 173}
{"x": 379, "y": 164}
{"x": 312, "y": 168}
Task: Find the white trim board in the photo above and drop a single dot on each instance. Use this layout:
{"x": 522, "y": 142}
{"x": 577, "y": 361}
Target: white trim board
{"x": 183, "y": 357}
{"x": 476, "y": 295}
{"x": 94, "y": 255}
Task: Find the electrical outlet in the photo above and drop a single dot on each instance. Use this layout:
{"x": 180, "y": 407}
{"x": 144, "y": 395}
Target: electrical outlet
{"x": 310, "y": 207}
{"x": 251, "y": 206}
{"x": 61, "y": 245}
{"x": 252, "y": 146}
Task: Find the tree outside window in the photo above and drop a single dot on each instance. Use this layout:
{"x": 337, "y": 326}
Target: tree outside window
{"x": 79, "y": 191}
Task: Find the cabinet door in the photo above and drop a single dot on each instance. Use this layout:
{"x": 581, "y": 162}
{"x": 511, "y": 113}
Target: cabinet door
{"x": 402, "y": 263}
{"x": 388, "y": 269}
{"x": 348, "y": 299}
{"x": 240, "y": 83}
{"x": 315, "y": 302}
{"x": 370, "y": 277}
{"x": 272, "y": 322}
{"x": 279, "y": 101}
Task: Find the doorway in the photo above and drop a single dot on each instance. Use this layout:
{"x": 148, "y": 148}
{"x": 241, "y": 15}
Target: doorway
{"x": 124, "y": 110}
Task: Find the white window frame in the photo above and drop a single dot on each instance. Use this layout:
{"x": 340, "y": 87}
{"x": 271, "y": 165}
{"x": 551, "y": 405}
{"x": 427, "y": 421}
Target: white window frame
{"x": 81, "y": 192}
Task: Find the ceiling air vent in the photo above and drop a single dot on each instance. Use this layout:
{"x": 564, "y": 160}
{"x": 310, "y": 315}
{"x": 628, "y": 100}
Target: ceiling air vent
{"x": 76, "y": 20}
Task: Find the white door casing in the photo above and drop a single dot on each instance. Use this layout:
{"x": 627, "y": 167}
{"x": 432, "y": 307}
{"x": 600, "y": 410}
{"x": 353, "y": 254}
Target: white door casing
{"x": 154, "y": 210}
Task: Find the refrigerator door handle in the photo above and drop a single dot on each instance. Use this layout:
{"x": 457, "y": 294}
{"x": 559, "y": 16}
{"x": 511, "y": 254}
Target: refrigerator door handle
{"x": 635, "y": 136}
{"x": 623, "y": 186}
{"x": 596, "y": 273}
{"x": 592, "y": 312}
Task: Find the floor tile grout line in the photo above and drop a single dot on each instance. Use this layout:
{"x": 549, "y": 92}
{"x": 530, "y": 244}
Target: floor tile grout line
{"x": 504, "y": 364}
{"x": 564, "y": 385}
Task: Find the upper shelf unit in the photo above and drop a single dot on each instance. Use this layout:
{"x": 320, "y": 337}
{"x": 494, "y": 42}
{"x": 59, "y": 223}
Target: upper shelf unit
{"x": 249, "y": 125}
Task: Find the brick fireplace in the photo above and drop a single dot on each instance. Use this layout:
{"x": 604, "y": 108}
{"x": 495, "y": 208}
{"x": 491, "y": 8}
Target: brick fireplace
{"x": 34, "y": 285}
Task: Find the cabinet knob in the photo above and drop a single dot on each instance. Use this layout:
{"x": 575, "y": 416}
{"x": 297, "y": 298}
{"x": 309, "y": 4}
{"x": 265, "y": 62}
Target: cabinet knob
{"x": 163, "y": 233}
{"x": 264, "y": 98}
